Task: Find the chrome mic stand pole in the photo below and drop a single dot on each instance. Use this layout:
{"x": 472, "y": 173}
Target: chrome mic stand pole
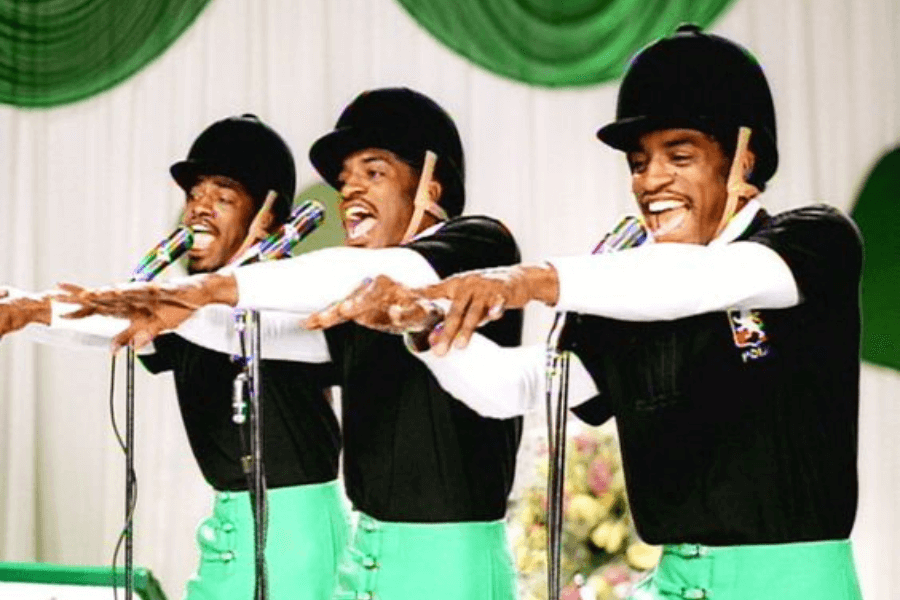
{"x": 249, "y": 381}
{"x": 129, "y": 473}
{"x": 557, "y": 371}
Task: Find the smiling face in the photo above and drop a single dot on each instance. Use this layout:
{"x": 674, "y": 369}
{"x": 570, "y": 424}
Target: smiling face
{"x": 678, "y": 177}
{"x": 219, "y": 211}
{"x": 377, "y": 190}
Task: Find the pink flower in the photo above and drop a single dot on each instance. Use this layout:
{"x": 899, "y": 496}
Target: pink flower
{"x": 599, "y": 476}
{"x": 617, "y": 574}
{"x": 585, "y": 444}
{"x": 570, "y": 592}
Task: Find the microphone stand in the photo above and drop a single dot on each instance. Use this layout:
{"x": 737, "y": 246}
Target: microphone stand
{"x": 129, "y": 473}
{"x": 629, "y": 232}
{"x": 149, "y": 267}
{"x": 249, "y": 383}
{"x": 557, "y": 370}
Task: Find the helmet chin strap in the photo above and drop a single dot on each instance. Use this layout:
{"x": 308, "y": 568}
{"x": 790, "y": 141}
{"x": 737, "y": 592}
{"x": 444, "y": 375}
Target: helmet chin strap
{"x": 422, "y": 202}
{"x": 736, "y": 186}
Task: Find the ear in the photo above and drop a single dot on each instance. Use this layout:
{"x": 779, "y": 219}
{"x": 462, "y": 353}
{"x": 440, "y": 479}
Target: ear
{"x": 435, "y": 190}
{"x": 749, "y": 163}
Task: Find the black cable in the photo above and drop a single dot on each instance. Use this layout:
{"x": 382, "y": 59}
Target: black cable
{"x": 132, "y": 478}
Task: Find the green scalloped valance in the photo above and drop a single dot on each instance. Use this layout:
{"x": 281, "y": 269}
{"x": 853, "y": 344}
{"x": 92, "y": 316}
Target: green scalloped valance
{"x": 58, "y": 51}
{"x": 556, "y": 42}
{"x": 877, "y": 212}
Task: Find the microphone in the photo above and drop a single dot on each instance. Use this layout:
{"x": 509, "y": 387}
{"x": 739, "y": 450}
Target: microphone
{"x": 164, "y": 254}
{"x": 628, "y": 233}
{"x": 303, "y": 220}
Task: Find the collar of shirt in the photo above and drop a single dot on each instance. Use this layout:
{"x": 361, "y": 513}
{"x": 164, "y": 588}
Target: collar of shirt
{"x": 737, "y": 224}
{"x": 429, "y": 231}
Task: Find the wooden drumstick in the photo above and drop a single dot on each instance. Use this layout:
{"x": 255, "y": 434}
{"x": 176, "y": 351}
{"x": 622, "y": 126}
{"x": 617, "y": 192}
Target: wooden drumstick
{"x": 736, "y": 185}
{"x": 421, "y": 201}
{"x": 257, "y": 230}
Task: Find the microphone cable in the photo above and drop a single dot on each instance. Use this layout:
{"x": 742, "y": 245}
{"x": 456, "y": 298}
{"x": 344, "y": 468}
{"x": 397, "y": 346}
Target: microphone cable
{"x": 132, "y": 483}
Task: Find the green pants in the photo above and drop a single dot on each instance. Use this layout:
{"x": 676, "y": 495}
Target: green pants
{"x": 799, "y": 571}
{"x": 433, "y": 561}
{"x": 307, "y": 533}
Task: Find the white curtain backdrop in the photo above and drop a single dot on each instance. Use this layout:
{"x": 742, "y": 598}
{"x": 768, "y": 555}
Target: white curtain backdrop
{"x": 84, "y": 190}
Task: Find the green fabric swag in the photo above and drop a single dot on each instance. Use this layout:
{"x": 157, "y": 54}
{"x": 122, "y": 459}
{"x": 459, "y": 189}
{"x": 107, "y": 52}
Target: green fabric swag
{"x": 54, "y": 52}
{"x": 557, "y": 42}
{"x": 877, "y": 212}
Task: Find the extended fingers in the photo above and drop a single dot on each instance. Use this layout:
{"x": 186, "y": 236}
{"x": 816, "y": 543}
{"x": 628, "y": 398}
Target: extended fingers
{"x": 445, "y": 335}
{"x": 84, "y": 311}
{"x": 324, "y": 319}
{"x": 138, "y": 334}
{"x": 339, "y": 312}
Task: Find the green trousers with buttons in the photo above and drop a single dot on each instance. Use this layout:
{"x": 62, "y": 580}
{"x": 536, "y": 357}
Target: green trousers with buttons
{"x": 804, "y": 570}
{"x": 433, "y": 561}
{"x": 306, "y": 536}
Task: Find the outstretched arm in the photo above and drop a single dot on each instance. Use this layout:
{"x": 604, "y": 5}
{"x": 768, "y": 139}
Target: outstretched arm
{"x": 303, "y": 284}
{"x": 18, "y": 310}
{"x": 649, "y": 283}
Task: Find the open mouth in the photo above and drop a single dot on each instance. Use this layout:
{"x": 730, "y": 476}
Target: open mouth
{"x": 358, "y": 221}
{"x": 665, "y": 215}
{"x": 203, "y": 236}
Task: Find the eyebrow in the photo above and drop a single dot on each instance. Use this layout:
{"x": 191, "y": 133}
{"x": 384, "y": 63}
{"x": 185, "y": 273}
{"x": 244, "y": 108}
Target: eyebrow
{"x": 374, "y": 158}
{"x": 365, "y": 160}
{"x": 680, "y": 142}
{"x": 221, "y": 181}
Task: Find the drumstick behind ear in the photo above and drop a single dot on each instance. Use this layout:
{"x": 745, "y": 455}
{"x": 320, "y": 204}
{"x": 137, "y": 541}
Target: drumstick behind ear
{"x": 421, "y": 201}
{"x": 737, "y": 186}
{"x": 257, "y": 230}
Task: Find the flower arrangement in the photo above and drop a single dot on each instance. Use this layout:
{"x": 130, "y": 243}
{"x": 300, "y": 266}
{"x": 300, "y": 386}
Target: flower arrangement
{"x": 601, "y": 554}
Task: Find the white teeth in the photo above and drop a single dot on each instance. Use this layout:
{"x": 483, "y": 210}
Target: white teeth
{"x": 361, "y": 228}
{"x": 202, "y": 239}
{"x": 658, "y": 206}
{"x": 356, "y": 213}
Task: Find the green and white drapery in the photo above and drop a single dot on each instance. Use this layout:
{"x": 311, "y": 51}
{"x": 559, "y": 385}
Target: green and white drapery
{"x": 556, "y": 42}
{"x": 58, "y": 51}
{"x": 877, "y": 212}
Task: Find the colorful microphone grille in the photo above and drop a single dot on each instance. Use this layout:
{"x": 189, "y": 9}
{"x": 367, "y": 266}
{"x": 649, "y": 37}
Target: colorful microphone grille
{"x": 165, "y": 253}
{"x": 303, "y": 220}
{"x": 628, "y": 233}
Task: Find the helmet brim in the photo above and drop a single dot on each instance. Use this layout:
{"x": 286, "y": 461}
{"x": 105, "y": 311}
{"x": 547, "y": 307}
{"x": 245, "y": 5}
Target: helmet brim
{"x": 328, "y": 153}
{"x": 186, "y": 172}
{"x": 624, "y": 134}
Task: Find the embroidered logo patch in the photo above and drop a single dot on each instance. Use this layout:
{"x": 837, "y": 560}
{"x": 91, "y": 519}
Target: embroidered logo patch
{"x": 749, "y": 334}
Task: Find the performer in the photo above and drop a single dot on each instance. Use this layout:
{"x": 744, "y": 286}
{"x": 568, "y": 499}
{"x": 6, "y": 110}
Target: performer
{"x": 228, "y": 173}
{"x": 728, "y": 351}
{"x": 428, "y": 475}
